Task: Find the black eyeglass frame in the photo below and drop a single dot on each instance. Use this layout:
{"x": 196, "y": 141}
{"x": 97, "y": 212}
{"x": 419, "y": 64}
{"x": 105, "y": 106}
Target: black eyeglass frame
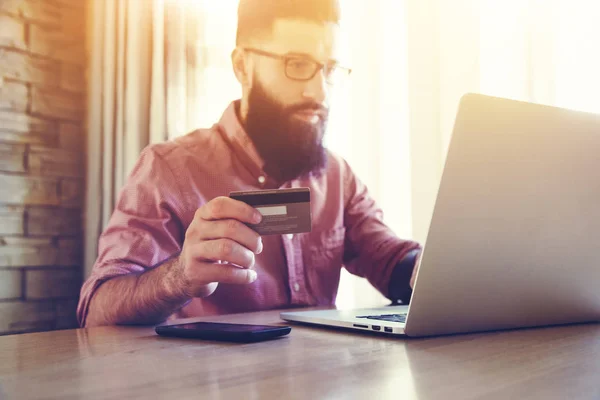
{"x": 290, "y": 57}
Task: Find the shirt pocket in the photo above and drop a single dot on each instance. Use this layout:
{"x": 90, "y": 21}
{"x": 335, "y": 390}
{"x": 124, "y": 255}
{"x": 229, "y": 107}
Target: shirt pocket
{"x": 324, "y": 263}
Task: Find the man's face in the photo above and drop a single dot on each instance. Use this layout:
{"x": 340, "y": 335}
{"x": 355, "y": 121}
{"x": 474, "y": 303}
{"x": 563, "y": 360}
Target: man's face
{"x": 287, "y": 109}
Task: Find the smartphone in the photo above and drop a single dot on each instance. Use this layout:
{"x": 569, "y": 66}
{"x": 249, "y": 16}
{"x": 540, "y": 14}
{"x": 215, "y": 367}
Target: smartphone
{"x": 223, "y": 332}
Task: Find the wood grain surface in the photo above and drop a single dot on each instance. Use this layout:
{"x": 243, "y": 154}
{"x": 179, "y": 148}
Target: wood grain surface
{"x": 310, "y": 363}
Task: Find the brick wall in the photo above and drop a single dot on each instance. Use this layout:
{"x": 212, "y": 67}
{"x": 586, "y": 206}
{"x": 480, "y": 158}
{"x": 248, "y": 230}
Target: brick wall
{"x": 42, "y": 101}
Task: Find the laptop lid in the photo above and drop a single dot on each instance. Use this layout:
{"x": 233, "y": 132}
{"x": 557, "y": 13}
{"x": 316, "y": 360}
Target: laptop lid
{"x": 514, "y": 237}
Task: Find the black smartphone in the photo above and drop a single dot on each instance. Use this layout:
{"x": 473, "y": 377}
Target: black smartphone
{"x": 223, "y": 332}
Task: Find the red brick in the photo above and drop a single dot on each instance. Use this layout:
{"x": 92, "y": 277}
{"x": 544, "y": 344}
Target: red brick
{"x": 19, "y": 122}
{"x": 12, "y": 33}
{"x": 28, "y": 190}
{"x": 27, "y": 252}
{"x": 70, "y": 254}
{"x": 73, "y": 4}
{"x": 42, "y": 12}
{"x": 71, "y": 137}
{"x": 10, "y": 284}
{"x": 28, "y": 68}
{"x": 14, "y": 96}
{"x": 52, "y": 284}
{"x": 53, "y": 221}
{"x": 71, "y": 193}
{"x": 54, "y": 162}
{"x": 54, "y": 104}
{"x": 66, "y": 314}
{"x": 12, "y": 158}
{"x": 22, "y": 128}
{"x": 11, "y": 6}
{"x": 20, "y": 316}
{"x": 73, "y": 20}
{"x": 45, "y": 12}
{"x": 65, "y": 308}
{"x": 56, "y": 44}
{"x": 28, "y": 137}
{"x": 11, "y": 220}
{"x": 72, "y": 78}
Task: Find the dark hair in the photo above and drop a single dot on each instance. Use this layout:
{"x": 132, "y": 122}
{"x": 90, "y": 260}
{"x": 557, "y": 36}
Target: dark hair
{"x": 258, "y": 16}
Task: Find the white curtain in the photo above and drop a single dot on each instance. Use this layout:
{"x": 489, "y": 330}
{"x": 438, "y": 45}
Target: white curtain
{"x": 414, "y": 59}
{"x": 143, "y": 87}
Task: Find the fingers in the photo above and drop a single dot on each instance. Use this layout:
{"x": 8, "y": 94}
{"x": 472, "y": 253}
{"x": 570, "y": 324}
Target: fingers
{"x": 206, "y": 273}
{"x": 223, "y": 250}
{"x": 227, "y": 208}
{"x": 230, "y": 229}
{"x": 219, "y": 233}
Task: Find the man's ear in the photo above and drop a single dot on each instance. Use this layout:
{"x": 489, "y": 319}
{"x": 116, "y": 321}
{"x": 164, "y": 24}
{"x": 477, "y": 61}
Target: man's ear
{"x": 241, "y": 67}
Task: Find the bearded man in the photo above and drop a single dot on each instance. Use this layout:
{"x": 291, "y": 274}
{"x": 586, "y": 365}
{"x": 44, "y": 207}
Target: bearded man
{"x": 177, "y": 246}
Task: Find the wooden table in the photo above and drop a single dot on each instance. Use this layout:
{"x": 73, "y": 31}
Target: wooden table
{"x": 311, "y": 363}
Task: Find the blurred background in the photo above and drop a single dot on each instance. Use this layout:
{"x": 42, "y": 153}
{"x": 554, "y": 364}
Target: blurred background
{"x": 85, "y": 85}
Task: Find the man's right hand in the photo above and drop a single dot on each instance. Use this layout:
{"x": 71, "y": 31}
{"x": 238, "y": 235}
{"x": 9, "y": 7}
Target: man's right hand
{"x": 218, "y": 248}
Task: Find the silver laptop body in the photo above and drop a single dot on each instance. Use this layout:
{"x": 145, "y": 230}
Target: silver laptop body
{"x": 514, "y": 239}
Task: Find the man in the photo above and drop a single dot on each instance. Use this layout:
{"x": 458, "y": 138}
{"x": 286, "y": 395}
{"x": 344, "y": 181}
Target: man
{"x": 177, "y": 246}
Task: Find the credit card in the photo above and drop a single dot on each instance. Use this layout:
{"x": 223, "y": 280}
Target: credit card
{"x": 284, "y": 210}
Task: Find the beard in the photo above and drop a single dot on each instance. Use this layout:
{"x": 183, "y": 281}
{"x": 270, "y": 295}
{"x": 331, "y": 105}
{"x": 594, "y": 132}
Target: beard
{"x": 290, "y": 147}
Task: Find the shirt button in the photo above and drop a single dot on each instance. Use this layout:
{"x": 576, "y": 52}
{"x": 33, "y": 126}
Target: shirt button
{"x": 290, "y": 236}
{"x": 296, "y": 287}
{"x": 261, "y": 179}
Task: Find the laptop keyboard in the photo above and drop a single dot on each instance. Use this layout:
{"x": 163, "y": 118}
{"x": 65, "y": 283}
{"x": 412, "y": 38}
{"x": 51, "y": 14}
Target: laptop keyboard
{"x": 387, "y": 317}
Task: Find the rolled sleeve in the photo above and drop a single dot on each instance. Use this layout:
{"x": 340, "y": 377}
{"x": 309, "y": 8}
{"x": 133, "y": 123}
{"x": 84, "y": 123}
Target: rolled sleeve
{"x": 372, "y": 249}
{"x": 144, "y": 229}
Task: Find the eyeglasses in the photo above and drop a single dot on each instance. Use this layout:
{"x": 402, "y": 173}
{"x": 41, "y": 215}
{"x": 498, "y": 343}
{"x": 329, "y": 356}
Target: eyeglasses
{"x": 302, "y": 68}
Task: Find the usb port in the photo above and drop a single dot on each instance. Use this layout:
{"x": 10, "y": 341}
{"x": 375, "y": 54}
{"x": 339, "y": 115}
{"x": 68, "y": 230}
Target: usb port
{"x": 361, "y": 326}
{"x": 387, "y": 329}
{"x": 376, "y": 327}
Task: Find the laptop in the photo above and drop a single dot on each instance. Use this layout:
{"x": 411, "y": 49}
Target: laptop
{"x": 514, "y": 239}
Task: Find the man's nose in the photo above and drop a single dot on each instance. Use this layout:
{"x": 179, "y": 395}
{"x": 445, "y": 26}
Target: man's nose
{"x": 317, "y": 88}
